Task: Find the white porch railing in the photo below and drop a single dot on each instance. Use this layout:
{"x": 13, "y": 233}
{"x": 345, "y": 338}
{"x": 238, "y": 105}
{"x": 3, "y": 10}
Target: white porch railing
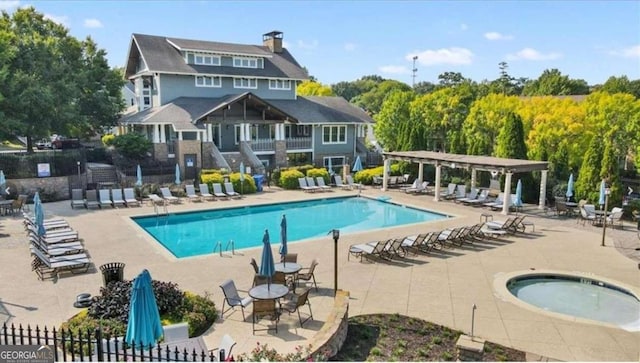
{"x": 262, "y": 145}
{"x": 298, "y": 143}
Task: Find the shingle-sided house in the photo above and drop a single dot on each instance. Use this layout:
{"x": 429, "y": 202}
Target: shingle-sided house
{"x": 212, "y": 105}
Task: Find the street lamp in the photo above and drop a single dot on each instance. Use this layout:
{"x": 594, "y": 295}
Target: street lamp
{"x": 336, "y": 237}
{"x": 79, "y": 178}
{"x": 607, "y": 191}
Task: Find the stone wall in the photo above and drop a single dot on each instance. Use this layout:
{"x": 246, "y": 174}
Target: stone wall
{"x": 51, "y": 189}
{"x": 280, "y": 153}
{"x": 330, "y": 338}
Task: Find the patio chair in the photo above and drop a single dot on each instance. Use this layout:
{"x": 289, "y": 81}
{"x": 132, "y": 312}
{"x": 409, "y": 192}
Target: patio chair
{"x": 77, "y": 199}
{"x": 353, "y": 184}
{"x": 254, "y": 264}
{"x": 459, "y": 193}
{"x": 585, "y": 216}
{"x": 492, "y": 232}
{"x": 166, "y": 194}
{"x": 321, "y": 183}
{"x": 512, "y": 225}
{"x": 92, "y": 199}
{"x": 312, "y": 184}
{"x": 419, "y": 188}
{"x": 204, "y": 192}
{"x": 56, "y": 249}
{"x": 392, "y": 249}
{"x": 497, "y": 203}
{"x": 18, "y": 204}
{"x": 105, "y": 198}
{"x": 339, "y": 184}
{"x": 473, "y": 195}
{"x": 307, "y": 274}
{"x": 232, "y": 298}
{"x": 413, "y": 243}
{"x": 302, "y": 183}
{"x": 130, "y": 197}
{"x": 217, "y": 191}
{"x": 372, "y": 250}
{"x": 260, "y": 280}
{"x": 50, "y": 266}
{"x": 228, "y": 188}
{"x": 295, "y": 304}
{"x": 451, "y": 236}
{"x": 561, "y": 208}
{"x": 290, "y": 257}
{"x": 615, "y": 217}
{"x": 226, "y": 344}
{"x": 155, "y": 199}
{"x": 479, "y": 200}
{"x": 116, "y": 197}
{"x": 191, "y": 193}
{"x": 450, "y": 192}
{"x": 264, "y": 308}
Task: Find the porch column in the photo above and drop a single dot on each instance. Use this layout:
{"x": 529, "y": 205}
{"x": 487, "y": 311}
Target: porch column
{"x": 543, "y": 189}
{"x": 420, "y": 172}
{"x": 436, "y": 197}
{"x": 209, "y": 132}
{"x": 277, "y": 130}
{"x": 247, "y": 132}
{"x": 507, "y": 193}
{"x": 180, "y": 135}
{"x": 198, "y": 135}
{"x": 242, "y": 132}
{"x": 163, "y": 137}
{"x": 473, "y": 178}
{"x": 156, "y": 134}
{"x": 385, "y": 174}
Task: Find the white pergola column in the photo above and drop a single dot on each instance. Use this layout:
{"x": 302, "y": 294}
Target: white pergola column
{"x": 507, "y": 193}
{"x": 543, "y": 189}
{"x": 385, "y": 173}
{"x": 163, "y": 137}
{"x": 473, "y": 178}
{"x": 156, "y": 134}
{"x": 420, "y": 172}
{"x": 436, "y": 197}
{"x": 247, "y": 132}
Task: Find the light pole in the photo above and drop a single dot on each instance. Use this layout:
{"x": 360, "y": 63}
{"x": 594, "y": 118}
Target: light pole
{"x": 79, "y": 177}
{"x": 607, "y": 191}
{"x": 336, "y": 237}
{"x": 414, "y": 70}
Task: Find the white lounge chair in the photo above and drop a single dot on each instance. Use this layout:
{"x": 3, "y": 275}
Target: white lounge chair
{"x": 204, "y": 192}
{"x": 155, "y": 199}
{"x": 191, "y": 193}
{"x": 450, "y": 192}
{"x": 130, "y": 197}
{"x": 228, "y": 188}
{"x": 312, "y": 184}
{"x": 480, "y": 198}
{"x": 497, "y": 203}
{"x": 92, "y": 199}
{"x": 166, "y": 194}
{"x": 321, "y": 184}
{"x": 302, "y": 182}
{"x": 217, "y": 191}
{"x": 339, "y": 184}
{"x": 353, "y": 184}
{"x": 105, "y": 198}
{"x": 116, "y": 197}
{"x": 473, "y": 194}
{"x": 77, "y": 200}
{"x": 460, "y": 192}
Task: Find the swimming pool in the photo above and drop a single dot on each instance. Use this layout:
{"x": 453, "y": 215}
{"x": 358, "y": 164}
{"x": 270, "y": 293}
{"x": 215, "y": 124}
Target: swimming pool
{"x": 197, "y": 233}
{"x": 581, "y": 297}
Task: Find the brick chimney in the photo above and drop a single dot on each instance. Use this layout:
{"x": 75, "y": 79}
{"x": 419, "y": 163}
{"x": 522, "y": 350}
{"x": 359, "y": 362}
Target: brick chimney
{"x": 273, "y": 40}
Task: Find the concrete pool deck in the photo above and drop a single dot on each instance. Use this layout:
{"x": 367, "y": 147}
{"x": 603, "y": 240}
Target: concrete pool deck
{"x": 441, "y": 287}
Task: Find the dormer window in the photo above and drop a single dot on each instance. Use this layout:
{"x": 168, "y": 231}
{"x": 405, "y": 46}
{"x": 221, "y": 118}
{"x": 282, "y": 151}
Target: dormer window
{"x": 207, "y": 81}
{"x": 203, "y": 59}
{"x": 251, "y": 83}
{"x": 280, "y": 84}
{"x": 242, "y": 62}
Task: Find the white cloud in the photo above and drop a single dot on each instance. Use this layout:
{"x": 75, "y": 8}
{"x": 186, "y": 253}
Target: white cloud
{"x": 464, "y": 27}
{"x": 629, "y": 52}
{"x": 8, "y": 5}
{"x": 60, "y": 19}
{"x": 349, "y": 47}
{"x": 451, "y": 55}
{"x": 92, "y": 23}
{"x": 308, "y": 45}
{"x": 394, "y": 69}
{"x": 533, "y": 55}
{"x": 497, "y": 36}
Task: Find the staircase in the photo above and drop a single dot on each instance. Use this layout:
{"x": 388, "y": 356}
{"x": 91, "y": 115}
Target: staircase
{"x": 101, "y": 173}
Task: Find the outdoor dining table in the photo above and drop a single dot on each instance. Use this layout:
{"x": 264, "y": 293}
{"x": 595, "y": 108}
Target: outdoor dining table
{"x": 268, "y": 291}
{"x": 289, "y": 268}
{"x": 601, "y": 215}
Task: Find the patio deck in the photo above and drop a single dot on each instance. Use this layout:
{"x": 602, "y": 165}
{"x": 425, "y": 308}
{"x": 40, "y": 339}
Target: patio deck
{"x": 440, "y": 288}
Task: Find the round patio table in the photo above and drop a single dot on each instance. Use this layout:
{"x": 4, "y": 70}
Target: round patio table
{"x": 288, "y": 268}
{"x": 268, "y": 291}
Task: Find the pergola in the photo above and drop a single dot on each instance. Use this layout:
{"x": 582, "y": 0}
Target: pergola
{"x": 473, "y": 163}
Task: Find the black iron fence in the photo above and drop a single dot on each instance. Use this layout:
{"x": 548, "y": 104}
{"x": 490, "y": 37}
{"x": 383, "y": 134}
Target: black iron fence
{"x": 85, "y": 347}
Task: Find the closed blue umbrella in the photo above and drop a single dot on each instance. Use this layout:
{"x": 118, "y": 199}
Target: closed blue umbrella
{"x": 3, "y": 181}
{"x": 569, "y": 193}
{"x": 283, "y": 237}
{"x": 177, "y": 181}
{"x": 357, "y": 166}
{"x": 518, "y": 201}
{"x": 601, "y": 197}
{"x": 144, "y": 326}
{"x": 38, "y": 211}
{"x": 267, "y": 266}
{"x": 330, "y": 167}
{"x": 139, "y": 176}
{"x": 241, "y": 177}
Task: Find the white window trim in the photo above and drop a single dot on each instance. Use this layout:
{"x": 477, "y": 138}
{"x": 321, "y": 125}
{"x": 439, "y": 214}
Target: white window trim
{"x": 250, "y": 80}
{"x": 216, "y": 60}
{"x": 216, "y": 81}
{"x": 286, "y": 84}
{"x": 341, "y": 130}
{"x": 326, "y": 164}
{"x": 249, "y": 60}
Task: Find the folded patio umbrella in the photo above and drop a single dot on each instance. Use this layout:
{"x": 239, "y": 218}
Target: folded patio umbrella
{"x": 569, "y": 193}
{"x": 139, "y": 176}
{"x": 267, "y": 266}
{"x": 357, "y": 166}
{"x": 177, "y": 181}
{"x": 283, "y": 236}
{"x": 601, "y": 196}
{"x": 144, "y": 326}
{"x": 518, "y": 202}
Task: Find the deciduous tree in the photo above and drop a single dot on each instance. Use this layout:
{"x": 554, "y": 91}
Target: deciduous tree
{"x": 311, "y": 88}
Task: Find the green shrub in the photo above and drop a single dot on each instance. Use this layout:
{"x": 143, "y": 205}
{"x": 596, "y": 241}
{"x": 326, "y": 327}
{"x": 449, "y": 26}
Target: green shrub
{"x": 107, "y": 140}
{"x": 366, "y": 176}
{"x": 262, "y": 353}
{"x": 321, "y": 172}
{"x": 199, "y": 311}
{"x": 275, "y": 176}
{"x": 248, "y": 187}
{"x": 210, "y": 178}
{"x": 144, "y": 190}
{"x": 84, "y": 326}
{"x": 289, "y": 179}
{"x": 133, "y": 146}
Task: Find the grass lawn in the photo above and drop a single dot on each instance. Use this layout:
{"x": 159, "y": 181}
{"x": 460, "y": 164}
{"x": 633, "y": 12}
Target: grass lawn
{"x": 393, "y": 337}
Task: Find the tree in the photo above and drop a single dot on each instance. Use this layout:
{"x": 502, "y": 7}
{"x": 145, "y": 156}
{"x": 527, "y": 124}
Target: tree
{"x": 589, "y": 175}
{"x": 552, "y": 83}
{"x": 486, "y": 117}
{"x": 511, "y": 139}
{"x": 56, "y": 84}
{"x": 451, "y": 79}
{"x": 373, "y": 99}
{"x": 393, "y": 122}
{"x": 311, "y": 88}
{"x": 132, "y": 146}
{"x": 621, "y": 85}
{"x": 422, "y": 88}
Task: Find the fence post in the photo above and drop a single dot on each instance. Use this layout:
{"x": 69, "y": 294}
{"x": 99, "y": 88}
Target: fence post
{"x": 99, "y": 350}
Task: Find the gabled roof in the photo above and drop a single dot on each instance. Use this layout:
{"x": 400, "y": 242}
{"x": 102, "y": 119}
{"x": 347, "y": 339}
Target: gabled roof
{"x": 162, "y": 55}
{"x": 316, "y": 109}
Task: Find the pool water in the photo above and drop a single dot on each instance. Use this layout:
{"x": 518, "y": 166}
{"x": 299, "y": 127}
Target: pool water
{"x": 579, "y": 297}
{"x": 197, "y": 233}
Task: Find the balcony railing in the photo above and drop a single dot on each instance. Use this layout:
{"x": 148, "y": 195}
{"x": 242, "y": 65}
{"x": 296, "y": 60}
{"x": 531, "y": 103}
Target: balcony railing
{"x": 262, "y": 145}
{"x": 298, "y": 143}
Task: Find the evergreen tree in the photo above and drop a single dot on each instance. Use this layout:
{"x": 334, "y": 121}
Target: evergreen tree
{"x": 511, "y": 139}
{"x": 589, "y": 176}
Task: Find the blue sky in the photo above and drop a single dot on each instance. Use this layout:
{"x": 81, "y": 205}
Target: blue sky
{"x": 342, "y": 41}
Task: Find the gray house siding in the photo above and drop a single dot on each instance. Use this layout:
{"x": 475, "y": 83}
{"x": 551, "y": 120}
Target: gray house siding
{"x": 174, "y": 86}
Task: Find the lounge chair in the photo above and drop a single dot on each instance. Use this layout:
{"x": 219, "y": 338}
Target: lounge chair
{"x": 204, "y": 192}
{"x": 459, "y": 193}
{"x": 480, "y": 199}
{"x": 312, "y": 184}
{"x": 56, "y": 249}
{"x": 353, "y": 184}
{"x": 156, "y": 199}
{"x": 339, "y": 184}
{"x": 130, "y": 197}
{"x": 50, "y": 266}
{"x": 473, "y": 195}
{"x": 451, "y": 236}
{"x": 116, "y": 197}
{"x": 217, "y": 191}
{"x": 512, "y": 225}
{"x": 321, "y": 184}
{"x": 450, "y": 192}
{"x": 491, "y": 232}
{"x": 92, "y": 199}
{"x": 372, "y": 250}
{"x": 232, "y": 298}
{"x": 418, "y": 187}
{"x": 191, "y": 193}
{"x": 615, "y": 217}
{"x": 49, "y": 224}
{"x": 302, "y": 183}
{"x": 295, "y": 304}
{"x": 105, "y": 198}
{"x": 228, "y": 188}
{"x": 497, "y": 203}
{"x": 392, "y": 249}
{"x": 166, "y": 194}
{"x": 77, "y": 200}
{"x": 413, "y": 243}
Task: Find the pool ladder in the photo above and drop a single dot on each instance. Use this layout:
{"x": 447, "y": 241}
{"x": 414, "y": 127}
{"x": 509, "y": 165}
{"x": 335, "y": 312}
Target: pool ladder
{"x": 163, "y": 210}
{"x": 229, "y": 243}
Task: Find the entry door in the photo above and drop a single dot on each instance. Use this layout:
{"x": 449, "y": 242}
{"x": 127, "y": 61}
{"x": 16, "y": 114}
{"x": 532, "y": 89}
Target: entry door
{"x": 190, "y": 165}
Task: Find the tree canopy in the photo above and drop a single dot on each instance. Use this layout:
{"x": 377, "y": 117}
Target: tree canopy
{"x": 313, "y": 88}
